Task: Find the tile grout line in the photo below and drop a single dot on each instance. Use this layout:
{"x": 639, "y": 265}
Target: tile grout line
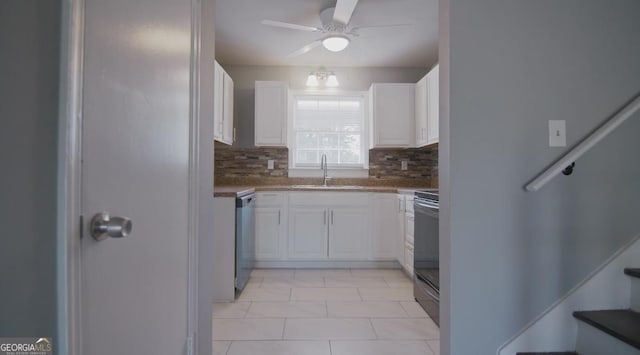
{"x": 284, "y": 325}
{"x": 374, "y": 330}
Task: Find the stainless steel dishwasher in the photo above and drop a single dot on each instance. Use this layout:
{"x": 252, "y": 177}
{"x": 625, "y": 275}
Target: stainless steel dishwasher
{"x": 245, "y": 239}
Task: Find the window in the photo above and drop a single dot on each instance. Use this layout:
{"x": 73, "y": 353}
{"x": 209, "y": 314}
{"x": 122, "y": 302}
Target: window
{"x": 331, "y": 125}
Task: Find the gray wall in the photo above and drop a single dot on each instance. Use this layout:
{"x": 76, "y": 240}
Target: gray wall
{"x": 511, "y": 67}
{"x": 353, "y": 79}
{"x": 29, "y": 61}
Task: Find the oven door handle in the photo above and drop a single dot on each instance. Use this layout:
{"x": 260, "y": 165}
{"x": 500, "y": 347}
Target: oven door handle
{"x": 426, "y": 204}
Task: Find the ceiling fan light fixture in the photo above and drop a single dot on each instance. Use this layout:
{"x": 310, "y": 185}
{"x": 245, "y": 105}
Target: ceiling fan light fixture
{"x": 335, "y": 43}
{"x": 312, "y": 80}
{"x": 332, "y": 81}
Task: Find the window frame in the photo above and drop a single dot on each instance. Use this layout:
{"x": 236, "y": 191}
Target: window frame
{"x": 341, "y": 170}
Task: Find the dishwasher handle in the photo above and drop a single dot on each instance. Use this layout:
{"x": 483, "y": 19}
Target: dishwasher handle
{"x": 245, "y": 200}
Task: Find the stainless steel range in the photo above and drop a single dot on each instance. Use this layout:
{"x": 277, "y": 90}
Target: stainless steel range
{"x": 426, "y": 262}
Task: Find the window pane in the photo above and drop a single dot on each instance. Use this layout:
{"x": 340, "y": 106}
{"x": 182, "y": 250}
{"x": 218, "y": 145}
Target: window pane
{"x": 331, "y": 141}
{"x": 349, "y": 105}
{"x": 328, "y": 124}
{"x": 305, "y": 140}
{"x": 307, "y": 157}
{"x": 350, "y": 157}
{"x": 307, "y": 104}
{"x": 327, "y": 105}
{"x": 350, "y": 142}
{"x": 332, "y": 156}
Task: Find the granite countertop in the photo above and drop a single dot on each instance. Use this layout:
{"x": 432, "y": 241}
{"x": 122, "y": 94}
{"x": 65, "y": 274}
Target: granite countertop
{"x": 345, "y": 188}
{"x": 232, "y": 191}
{"x": 236, "y": 191}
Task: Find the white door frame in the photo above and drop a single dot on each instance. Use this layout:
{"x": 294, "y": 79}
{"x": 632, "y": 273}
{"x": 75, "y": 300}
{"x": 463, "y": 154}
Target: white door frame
{"x": 69, "y": 228}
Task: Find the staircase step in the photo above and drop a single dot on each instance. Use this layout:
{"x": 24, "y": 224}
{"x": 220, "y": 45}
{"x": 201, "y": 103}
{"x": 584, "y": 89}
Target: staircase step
{"x": 632, "y": 272}
{"x": 623, "y": 324}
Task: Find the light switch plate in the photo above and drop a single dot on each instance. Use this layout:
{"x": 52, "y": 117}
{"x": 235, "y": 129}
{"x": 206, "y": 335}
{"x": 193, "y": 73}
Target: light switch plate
{"x": 270, "y": 164}
{"x": 557, "y": 133}
{"x": 404, "y": 165}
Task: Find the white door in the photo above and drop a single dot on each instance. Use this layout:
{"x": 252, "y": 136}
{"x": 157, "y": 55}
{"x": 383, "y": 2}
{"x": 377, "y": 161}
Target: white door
{"x": 135, "y": 150}
{"x": 348, "y": 233}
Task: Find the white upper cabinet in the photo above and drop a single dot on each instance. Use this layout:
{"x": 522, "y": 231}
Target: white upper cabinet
{"x": 222, "y": 106}
{"x": 218, "y": 90}
{"x": 421, "y": 112}
{"x": 271, "y": 114}
{"x": 392, "y": 115}
{"x": 427, "y": 108}
{"x": 433, "y": 105}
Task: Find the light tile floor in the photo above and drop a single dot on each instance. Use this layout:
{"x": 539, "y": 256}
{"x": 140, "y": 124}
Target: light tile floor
{"x": 325, "y": 312}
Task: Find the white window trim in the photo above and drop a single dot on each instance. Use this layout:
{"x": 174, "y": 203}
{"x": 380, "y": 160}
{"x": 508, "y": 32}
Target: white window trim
{"x": 333, "y": 171}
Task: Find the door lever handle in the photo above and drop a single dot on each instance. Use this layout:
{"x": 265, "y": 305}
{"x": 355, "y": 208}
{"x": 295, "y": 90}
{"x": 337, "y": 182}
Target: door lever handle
{"x": 104, "y": 226}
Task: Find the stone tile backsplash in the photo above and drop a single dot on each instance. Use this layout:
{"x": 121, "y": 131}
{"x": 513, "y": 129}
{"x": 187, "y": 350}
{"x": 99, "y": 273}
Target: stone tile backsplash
{"x": 250, "y": 162}
{"x": 244, "y": 164}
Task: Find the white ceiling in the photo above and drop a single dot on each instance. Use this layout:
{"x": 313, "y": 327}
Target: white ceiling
{"x": 242, "y": 40}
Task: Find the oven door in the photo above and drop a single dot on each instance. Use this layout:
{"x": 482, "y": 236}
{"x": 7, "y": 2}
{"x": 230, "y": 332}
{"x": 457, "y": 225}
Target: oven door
{"x": 426, "y": 262}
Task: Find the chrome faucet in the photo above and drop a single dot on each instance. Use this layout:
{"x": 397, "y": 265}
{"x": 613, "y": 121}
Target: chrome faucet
{"x": 323, "y": 166}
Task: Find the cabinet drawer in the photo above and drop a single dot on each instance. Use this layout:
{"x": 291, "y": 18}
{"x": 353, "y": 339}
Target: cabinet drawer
{"x": 264, "y": 199}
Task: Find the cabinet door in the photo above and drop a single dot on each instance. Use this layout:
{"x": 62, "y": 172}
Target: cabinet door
{"x": 308, "y": 233}
{"x": 385, "y": 227}
{"x": 433, "y": 81}
{"x": 393, "y": 115}
{"x": 218, "y": 102}
{"x": 270, "y": 113}
{"x": 269, "y": 233}
{"x": 401, "y": 227}
{"x": 227, "y": 110}
{"x": 421, "y": 112}
{"x": 348, "y": 233}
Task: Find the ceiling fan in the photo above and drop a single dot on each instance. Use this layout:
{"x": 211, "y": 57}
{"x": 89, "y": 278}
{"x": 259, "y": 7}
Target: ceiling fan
{"x": 335, "y": 28}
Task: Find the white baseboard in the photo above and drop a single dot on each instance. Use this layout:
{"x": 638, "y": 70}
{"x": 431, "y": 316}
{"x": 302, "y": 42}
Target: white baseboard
{"x": 555, "y": 329}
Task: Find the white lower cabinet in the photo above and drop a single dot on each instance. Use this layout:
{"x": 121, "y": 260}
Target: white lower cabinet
{"x": 269, "y": 233}
{"x": 294, "y": 227}
{"x": 348, "y": 233}
{"x": 328, "y": 226}
{"x": 271, "y": 226}
{"x": 308, "y": 233}
{"x": 400, "y": 223}
{"x": 409, "y": 223}
{"x": 384, "y": 234}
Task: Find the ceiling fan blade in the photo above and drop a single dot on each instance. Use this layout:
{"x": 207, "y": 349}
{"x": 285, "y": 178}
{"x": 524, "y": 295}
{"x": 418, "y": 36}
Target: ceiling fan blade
{"x": 291, "y": 26}
{"x": 305, "y": 49}
{"x": 356, "y": 30}
{"x": 344, "y": 10}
